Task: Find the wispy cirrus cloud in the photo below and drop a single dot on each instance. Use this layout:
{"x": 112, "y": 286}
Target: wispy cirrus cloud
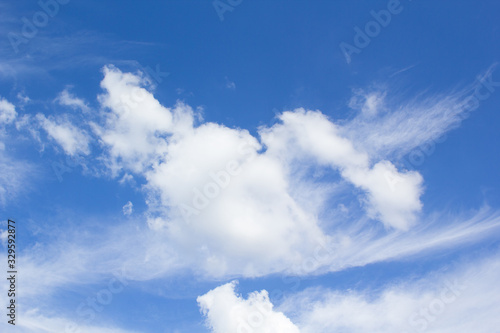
{"x": 14, "y": 173}
{"x": 459, "y": 300}
{"x": 389, "y": 126}
{"x": 66, "y": 98}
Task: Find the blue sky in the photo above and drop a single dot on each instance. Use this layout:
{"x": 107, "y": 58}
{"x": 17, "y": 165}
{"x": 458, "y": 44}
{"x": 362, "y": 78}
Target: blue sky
{"x": 251, "y": 166}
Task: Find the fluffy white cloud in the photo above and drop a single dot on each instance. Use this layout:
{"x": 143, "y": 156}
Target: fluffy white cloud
{"x": 7, "y": 111}
{"x": 136, "y": 124}
{"x": 72, "y": 139}
{"x": 233, "y": 204}
{"x": 223, "y": 203}
{"x": 227, "y": 312}
{"x": 393, "y": 197}
{"x": 214, "y": 194}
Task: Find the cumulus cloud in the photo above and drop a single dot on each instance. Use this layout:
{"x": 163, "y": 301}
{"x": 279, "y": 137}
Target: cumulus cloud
{"x": 72, "y": 139}
{"x": 233, "y": 203}
{"x": 145, "y": 137}
{"x": 142, "y": 135}
{"x": 227, "y": 312}
{"x": 136, "y": 124}
{"x": 223, "y": 202}
{"x": 209, "y": 188}
{"x": 393, "y": 197}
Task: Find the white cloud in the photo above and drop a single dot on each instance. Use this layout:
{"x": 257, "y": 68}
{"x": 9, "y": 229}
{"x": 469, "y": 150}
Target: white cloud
{"x": 230, "y": 207}
{"x": 72, "y": 139}
{"x": 405, "y": 125}
{"x": 7, "y": 111}
{"x": 142, "y": 254}
{"x": 128, "y": 208}
{"x": 136, "y": 124}
{"x": 227, "y": 312}
{"x": 68, "y": 99}
{"x": 222, "y": 203}
{"x": 460, "y": 301}
{"x": 179, "y": 161}
{"x": 393, "y": 197}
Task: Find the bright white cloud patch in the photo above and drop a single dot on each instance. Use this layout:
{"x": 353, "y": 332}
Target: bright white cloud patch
{"x": 211, "y": 188}
{"x": 141, "y": 134}
{"x": 227, "y": 312}
{"x": 393, "y": 197}
{"x": 7, "y": 111}
{"x": 136, "y": 124}
{"x": 72, "y": 139}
